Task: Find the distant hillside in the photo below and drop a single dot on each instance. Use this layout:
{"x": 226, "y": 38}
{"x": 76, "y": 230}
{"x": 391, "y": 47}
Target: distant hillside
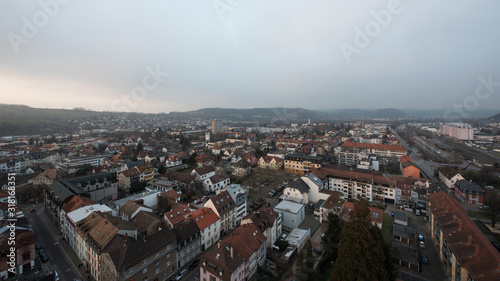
{"x": 25, "y": 120}
{"x": 387, "y": 113}
{"x": 495, "y": 117}
{"x": 251, "y": 114}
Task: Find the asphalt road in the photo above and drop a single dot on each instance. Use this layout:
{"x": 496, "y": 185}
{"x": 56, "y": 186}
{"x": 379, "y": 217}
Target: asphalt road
{"x": 435, "y": 270}
{"x": 50, "y": 238}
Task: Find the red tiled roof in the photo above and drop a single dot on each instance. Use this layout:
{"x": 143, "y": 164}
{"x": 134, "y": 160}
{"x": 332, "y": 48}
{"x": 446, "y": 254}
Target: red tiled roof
{"x": 405, "y": 158}
{"x": 204, "y": 217}
{"x": 172, "y": 194}
{"x": 77, "y": 202}
{"x": 389, "y": 147}
{"x": 471, "y": 248}
{"x": 248, "y": 238}
{"x": 174, "y": 216}
{"x": 349, "y": 206}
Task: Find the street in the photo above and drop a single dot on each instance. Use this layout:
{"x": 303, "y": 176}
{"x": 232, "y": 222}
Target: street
{"x": 50, "y": 239}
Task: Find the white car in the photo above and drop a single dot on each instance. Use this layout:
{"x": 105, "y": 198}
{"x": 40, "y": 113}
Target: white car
{"x": 181, "y": 274}
{"x": 421, "y": 244}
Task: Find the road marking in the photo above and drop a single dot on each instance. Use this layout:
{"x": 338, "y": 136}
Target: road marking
{"x": 56, "y": 243}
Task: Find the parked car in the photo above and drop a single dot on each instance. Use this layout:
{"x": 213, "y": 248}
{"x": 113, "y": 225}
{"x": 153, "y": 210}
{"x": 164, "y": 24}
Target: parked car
{"x": 318, "y": 251}
{"x": 496, "y": 245}
{"x": 194, "y": 264}
{"x": 421, "y": 244}
{"x": 425, "y": 260}
{"x": 38, "y": 246}
{"x": 32, "y": 210}
{"x": 420, "y": 237}
{"x": 181, "y": 274}
{"x": 43, "y": 256}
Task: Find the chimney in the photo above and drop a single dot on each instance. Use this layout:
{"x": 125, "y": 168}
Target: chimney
{"x": 477, "y": 249}
{"x": 218, "y": 244}
{"x": 144, "y": 238}
{"x": 470, "y": 239}
{"x": 231, "y": 251}
{"x": 460, "y": 226}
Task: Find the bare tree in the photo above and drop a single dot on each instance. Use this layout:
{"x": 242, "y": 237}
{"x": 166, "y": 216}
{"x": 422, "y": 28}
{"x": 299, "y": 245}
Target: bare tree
{"x": 492, "y": 209}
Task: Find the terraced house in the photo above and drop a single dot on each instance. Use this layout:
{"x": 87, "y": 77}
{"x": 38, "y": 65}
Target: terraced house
{"x": 466, "y": 253}
{"x": 150, "y": 258}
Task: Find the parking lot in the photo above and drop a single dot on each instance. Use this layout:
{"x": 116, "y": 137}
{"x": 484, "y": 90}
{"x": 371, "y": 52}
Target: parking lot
{"x": 435, "y": 269}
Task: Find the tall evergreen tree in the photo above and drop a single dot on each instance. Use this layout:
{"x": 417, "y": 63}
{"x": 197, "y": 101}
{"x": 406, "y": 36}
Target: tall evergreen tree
{"x": 362, "y": 252}
{"x": 331, "y": 237}
{"x": 305, "y": 264}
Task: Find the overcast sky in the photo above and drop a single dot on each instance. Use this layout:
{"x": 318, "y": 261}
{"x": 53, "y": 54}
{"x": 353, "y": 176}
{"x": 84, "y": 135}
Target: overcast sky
{"x": 248, "y": 53}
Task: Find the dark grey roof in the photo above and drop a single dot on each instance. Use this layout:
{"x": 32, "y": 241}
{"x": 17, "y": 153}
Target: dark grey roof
{"x": 185, "y": 230}
{"x": 60, "y": 191}
{"x": 302, "y": 157}
{"x": 401, "y": 216}
{"x": 404, "y": 231}
{"x": 300, "y": 185}
{"x": 468, "y": 187}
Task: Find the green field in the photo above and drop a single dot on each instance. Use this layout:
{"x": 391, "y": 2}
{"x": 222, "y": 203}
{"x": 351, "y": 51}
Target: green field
{"x": 477, "y": 215}
{"x": 487, "y": 231}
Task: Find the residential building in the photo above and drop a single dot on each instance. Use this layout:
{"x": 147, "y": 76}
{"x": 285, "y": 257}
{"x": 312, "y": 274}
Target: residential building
{"x": 239, "y": 195}
{"x": 76, "y": 216}
{"x": 408, "y": 167}
{"x": 55, "y": 196}
{"x": 458, "y": 131}
{"x": 47, "y": 177}
{"x": 95, "y": 232}
{"x": 100, "y": 187}
{"x": 23, "y": 248}
{"x": 381, "y": 150}
{"x": 216, "y": 182}
{"x": 299, "y": 164}
{"x": 348, "y": 158}
{"x": 225, "y": 207}
{"x": 71, "y": 165}
{"x": 268, "y": 222}
{"x": 128, "y": 178}
{"x": 176, "y": 215}
{"x": 465, "y": 251}
{"x": 242, "y": 168}
{"x": 270, "y": 162}
{"x": 150, "y": 258}
{"x": 209, "y": 224}
{"x": 147, "y": 223}
{"x": 469, "y": 193}
{"x": 375, "y": 213}
{"x": 73, "y": 204}
{"x": 203, "y": 173}
{"x": 216, "y": 127}
{"x": 368, "y": 184}
{"x": 139, "y": 173}
{"x": 132, "y": 208}
{"x": 251, "y": 244}
{"x": 292, "y": 213}
{"x": 333, "y": 204}
{"x": 222, "y": 264}
{"x": 297, "y": 189}
{"x": 188, "y": 241}
{"x": 449, "y": 176}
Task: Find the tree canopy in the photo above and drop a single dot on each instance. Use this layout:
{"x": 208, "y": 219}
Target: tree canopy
{"x": 362, "y": 254}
